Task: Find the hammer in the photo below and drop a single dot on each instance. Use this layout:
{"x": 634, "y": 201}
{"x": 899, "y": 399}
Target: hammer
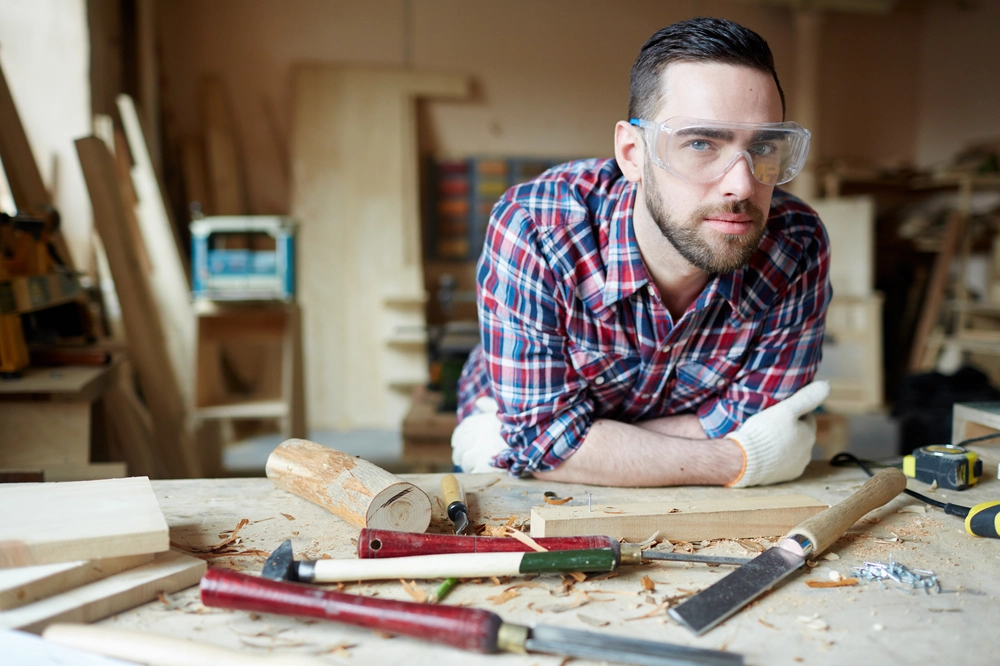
{"x": 281, "y": 565}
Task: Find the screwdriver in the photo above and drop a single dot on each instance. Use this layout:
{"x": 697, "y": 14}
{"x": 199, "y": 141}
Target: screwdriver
{"x": 454, "y": 500}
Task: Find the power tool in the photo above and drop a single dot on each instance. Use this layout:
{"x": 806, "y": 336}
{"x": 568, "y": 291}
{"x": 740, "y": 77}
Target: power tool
{"x": 951, "y": 467}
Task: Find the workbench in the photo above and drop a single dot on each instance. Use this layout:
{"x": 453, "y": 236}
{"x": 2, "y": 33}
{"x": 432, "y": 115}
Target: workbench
{"x": 865, "y": 623}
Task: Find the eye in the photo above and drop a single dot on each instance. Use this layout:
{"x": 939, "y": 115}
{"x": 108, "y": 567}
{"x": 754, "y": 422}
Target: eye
{"x": 699, "y": 145}
{"x": 763, "y": 149}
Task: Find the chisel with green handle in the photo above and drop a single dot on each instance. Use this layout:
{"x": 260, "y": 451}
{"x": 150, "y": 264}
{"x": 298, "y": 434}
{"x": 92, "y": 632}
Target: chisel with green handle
{"x": 281, "y": 565}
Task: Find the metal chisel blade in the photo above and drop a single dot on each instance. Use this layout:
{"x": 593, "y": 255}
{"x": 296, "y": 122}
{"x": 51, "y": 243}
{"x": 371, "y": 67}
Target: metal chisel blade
{"x": 726, "y": 596}
{"x": 607, "y": 647}
{"x": 685, "y": 557}
{"x": 461, "y": 522}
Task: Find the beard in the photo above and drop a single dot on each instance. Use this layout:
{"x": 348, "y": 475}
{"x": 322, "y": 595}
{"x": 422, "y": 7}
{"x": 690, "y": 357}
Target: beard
{"x": 705, "y": 248}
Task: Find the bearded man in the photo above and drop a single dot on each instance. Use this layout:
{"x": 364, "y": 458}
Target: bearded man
{"x": 657, "y": 319}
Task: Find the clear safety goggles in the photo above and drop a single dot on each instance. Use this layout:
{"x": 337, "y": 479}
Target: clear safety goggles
{"x": 701, "y": 151}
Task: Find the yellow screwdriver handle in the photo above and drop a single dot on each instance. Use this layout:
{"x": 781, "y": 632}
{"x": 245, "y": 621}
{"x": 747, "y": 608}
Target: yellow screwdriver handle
{"x": 451, "y": 490}
{"x": 984, "y": 520}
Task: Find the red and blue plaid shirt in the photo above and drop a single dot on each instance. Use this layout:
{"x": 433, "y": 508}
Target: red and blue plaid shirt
{"x": 572, "y": 328}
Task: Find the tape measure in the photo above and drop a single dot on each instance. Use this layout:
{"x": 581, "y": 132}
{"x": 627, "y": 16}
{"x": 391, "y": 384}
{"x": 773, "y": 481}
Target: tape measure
{"x": 952, "y": 467}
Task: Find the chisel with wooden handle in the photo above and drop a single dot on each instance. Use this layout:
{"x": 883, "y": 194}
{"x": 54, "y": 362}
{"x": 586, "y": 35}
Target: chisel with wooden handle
{"x": 377, "y": 544}
{"x": 717, "y": 602}
{"x": 464, "y": 628}
{"x": 281, "y": 565}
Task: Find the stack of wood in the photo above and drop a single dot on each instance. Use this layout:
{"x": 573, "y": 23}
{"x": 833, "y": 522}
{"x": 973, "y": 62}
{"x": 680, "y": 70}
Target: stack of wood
{"x": 142, "y": 245}
{"x": 86, "y": 550}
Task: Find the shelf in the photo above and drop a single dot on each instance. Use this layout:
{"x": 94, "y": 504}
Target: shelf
{"x": 257, "y": 409}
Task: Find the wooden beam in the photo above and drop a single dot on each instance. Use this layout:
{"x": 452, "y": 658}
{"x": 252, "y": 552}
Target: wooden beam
{"x": 159, "y": 373}
{"x": 169, "y": 572}
{"x": 25, "y": 585}
{"x": 730, "y": 518}
{"x": 934, "y": 297}
{"x": 80, "y": 520}
{"x": 26, "y": 185}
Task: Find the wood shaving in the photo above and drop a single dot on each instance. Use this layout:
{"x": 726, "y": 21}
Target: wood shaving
{"x": 610, "y": 574}
{"x": 383, "y": 634}
{"x": 751, "y": 546}
{"x": 648, "y": 584}
{"x": 491, "y": 483}
{"x": 683, "y": 547}
{"x": 646, "y": 543}
{"x": 830, "y": 556}
{"x": 341, "y": 649}
{"x": 767, "y": 624}
{"x": 551, "y": 500}
{"x": 590, "y": 594}
{"x": 611, "y": 510}
{"x": 843, "y": 582}
{"x": 578, "y": 576}
{"x": 414, "y": 591}
{"x": 661, "y": 608}
{"x": 592, "y": 621}
{"x": 525, "y": 539}
{"x": 578, "y": 600}
{"x": 288, "y": 517}
{"x": 912, "y": 508}
{"x": 505, "y": 596}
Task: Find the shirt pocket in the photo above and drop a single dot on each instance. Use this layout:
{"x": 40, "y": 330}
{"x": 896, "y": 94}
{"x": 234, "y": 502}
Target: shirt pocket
{"x": 700, "y": 379}
{"x": 610, "y": 377}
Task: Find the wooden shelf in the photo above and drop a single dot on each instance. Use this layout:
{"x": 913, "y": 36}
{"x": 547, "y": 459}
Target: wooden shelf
{"x": 256, "y": 409}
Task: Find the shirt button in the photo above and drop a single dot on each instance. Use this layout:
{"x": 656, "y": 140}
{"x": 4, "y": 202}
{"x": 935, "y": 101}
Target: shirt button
{"x": 599, "y": 381}
{"x": 645, "y": 396}
{"x": 720, "y": 383}
{"x": 650, "y": 290}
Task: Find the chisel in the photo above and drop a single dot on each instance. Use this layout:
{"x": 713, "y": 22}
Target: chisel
{"x": 472, "y": 629}
{"x": 810, "y": 538}
{"x": 379, "y": 544}
{"x": 282, "y": 566}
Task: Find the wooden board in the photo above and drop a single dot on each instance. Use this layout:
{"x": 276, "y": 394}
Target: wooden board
{"x": 22, "y": 648}
{"x": 24, "y": 585}
{"x": 930, "y": 311}
{"x": 169, "y": 572}
{"x": 355, "y": 193}
{"x": 850, "y": 224}
{"x": 37, "y": 434}
{"x": 65, "y": 522}
{"x": 25, "y": 179}
{"x": 852, "y": 354}
{"x": 64, "y": 383}
{"x": 730, "y": 518}
{"x": 163, "y": 386}
{"x": 168, "y": 256}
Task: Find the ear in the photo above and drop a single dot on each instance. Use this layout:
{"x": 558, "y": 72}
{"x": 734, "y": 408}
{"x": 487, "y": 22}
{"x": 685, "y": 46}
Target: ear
{"x": 629, "y": 150}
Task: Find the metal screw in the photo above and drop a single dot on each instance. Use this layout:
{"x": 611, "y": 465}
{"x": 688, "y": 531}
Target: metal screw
{"x": 589, "y": 502}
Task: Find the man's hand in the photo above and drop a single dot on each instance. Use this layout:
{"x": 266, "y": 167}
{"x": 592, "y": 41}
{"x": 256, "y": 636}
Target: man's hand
{"x": 477, "y": 439}
{"x": 777, "y": 442}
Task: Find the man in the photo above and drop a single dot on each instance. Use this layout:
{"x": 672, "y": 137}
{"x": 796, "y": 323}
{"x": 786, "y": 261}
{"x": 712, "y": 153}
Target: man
{"x": 650, "y": 320}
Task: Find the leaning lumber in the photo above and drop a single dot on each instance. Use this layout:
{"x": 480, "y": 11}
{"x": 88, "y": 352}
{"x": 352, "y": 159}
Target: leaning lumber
{"x": 358, "y": 491}
{"x": 730, "y": 518}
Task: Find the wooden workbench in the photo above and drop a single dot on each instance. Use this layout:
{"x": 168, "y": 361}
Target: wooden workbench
{"x": 866, "y": 624}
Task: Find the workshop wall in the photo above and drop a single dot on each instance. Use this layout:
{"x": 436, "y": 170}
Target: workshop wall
{"x": 550, "y": 78}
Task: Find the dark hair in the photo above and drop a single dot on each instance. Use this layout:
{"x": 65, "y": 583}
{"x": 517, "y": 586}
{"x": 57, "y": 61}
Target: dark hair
{"x": 709, "y": 40}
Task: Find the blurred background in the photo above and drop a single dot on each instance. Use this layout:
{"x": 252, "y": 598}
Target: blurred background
{"x": 275, "y": 228}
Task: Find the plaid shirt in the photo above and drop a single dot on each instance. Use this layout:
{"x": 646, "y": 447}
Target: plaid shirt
{"x": 572, "y": 328}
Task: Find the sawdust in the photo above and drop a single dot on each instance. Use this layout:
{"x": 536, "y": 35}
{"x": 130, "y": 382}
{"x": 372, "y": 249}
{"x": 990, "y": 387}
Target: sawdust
{"x": 415, "y": 592}
{"x": 592, "y": 621}
{"x": 660, "y": 608}
{"x": 341, "y": 649}
{"x": 551, "y": 500}
{"x": 505, "y": 596}
{"x": 648, "y": 584}
{"x": 526, "y": 540}
{"x": 288, "y": 517}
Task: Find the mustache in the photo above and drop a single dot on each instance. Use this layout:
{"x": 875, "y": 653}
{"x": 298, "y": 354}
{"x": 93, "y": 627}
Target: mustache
{"x": 744, "y": 207}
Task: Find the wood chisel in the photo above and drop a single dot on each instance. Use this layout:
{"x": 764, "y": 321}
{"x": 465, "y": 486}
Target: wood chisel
{"x": 379, "y": 544}
{"x": 717, "y": 602}
{"x": 454, "y": 500}
{"x": 282, "y": 566}
{"x": 472, "y": 629}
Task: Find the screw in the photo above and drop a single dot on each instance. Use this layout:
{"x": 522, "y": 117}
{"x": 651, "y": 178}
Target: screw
{"x": 589, "y": 502}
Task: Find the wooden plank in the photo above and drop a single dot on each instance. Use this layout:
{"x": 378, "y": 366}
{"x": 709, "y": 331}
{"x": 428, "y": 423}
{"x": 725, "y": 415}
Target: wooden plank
{"x": 22, "y": 648}
{"x": 26, "y": 585}
{"x": 225, "y": 173}
{"x": 730, "y": 518}
{"x": 68, "y": 382}
{"x": 39, "y": 434}
{"x": 90, "y": 472}
{"x": 158, "y": 371}
{"x": 168, "y": 256}
{"x": 26, "y": 185}
{"x": 355, "y": 194}
{"x": 169, "y": 572}
{"x": 80, "y": 520}
{"x": 934, "y": 297}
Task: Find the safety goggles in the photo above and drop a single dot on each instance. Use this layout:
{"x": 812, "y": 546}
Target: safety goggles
{"x": 701, "y": 151}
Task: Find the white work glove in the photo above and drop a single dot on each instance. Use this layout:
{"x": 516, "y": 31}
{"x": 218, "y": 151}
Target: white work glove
{"x": 477, "y": 439}
{"x": 777, "y": 442}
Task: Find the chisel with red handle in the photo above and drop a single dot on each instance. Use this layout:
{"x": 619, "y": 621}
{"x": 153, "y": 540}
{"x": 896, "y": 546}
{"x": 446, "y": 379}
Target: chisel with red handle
{"x": 377, "y": 544}
{"x": 464, "y": 628}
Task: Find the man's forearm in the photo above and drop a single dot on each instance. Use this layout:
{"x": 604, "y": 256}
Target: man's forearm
{"x": 620, "y": 454}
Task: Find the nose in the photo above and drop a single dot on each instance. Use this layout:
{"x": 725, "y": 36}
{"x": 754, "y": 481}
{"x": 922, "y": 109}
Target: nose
{"x": 738, "y": 180}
